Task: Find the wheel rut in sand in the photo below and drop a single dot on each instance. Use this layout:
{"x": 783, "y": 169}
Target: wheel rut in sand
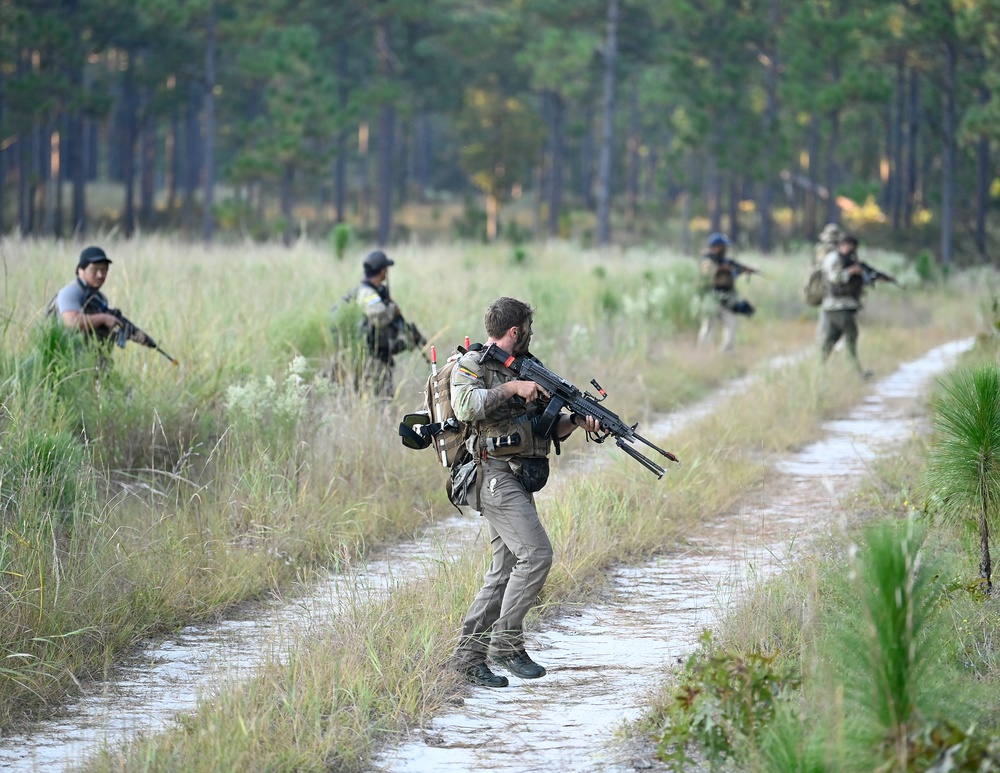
{"x": 590, "y": 687}
{"x": 602, "y": 660}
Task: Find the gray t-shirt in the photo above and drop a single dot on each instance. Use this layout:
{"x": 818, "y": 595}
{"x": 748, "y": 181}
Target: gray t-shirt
{"x": 76, "y": 296}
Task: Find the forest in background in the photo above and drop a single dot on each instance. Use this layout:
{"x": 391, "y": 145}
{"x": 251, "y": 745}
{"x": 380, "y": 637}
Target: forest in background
{"x": 601, "y": 120}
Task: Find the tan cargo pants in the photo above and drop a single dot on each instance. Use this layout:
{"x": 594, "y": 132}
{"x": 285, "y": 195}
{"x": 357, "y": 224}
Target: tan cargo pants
{"x": 522, "y": 557}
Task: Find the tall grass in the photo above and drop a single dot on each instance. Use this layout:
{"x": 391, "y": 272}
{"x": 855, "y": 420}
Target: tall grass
{"x": 351, "y": 686}
{"x": 143, "y": 497}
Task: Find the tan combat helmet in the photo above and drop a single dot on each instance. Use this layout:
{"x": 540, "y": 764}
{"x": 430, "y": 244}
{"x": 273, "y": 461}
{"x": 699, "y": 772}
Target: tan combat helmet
{"x": 831, "y": 233}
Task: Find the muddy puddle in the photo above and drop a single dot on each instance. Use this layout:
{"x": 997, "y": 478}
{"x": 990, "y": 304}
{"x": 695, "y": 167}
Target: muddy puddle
{"x": 601, "y": 659}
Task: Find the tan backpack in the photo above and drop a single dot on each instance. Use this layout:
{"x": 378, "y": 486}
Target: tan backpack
{"x": 436, "y": 424}
{"x": 449, "y": 442}
{"x": 814, "y": 290}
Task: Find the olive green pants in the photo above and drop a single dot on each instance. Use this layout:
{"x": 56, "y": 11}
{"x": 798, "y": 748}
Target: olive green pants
{"x": 522, "y": 557}
{"x": 836, "y": 324}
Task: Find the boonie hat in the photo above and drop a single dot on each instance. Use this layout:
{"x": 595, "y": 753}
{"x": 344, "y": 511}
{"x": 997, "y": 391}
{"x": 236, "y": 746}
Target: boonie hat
{"x": 376, "y": 261}
{"x": 92, "y": 255}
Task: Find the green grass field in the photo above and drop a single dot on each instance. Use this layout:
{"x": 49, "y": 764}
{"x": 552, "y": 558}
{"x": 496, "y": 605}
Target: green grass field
{"x": 156, "y": 495}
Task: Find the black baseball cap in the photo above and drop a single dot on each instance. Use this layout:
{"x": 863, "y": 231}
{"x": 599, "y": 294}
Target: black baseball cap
{"x": 376, "y": 261}
{"x": 92, "y": 255}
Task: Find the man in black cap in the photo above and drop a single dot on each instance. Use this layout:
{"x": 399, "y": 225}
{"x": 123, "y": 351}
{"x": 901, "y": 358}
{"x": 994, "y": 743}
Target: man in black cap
{"x": 81, "y": 305}
{"x": 383, "y": 328}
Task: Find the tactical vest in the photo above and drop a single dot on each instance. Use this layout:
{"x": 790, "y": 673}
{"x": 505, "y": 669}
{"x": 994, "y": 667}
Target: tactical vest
{"x": 507, "y": 420}
{"x": 853, "y": 287}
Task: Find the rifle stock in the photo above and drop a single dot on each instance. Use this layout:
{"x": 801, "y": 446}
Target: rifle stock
{"x": 563, "y": 394}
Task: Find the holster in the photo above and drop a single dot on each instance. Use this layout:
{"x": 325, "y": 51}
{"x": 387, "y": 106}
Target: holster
{"x": 531, "y": 471}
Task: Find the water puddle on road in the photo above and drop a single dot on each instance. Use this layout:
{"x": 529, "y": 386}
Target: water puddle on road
{"x": 601, "y": 659}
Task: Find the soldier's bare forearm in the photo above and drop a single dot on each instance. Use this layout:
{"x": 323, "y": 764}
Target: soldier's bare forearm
{"x": 495, "y": 397}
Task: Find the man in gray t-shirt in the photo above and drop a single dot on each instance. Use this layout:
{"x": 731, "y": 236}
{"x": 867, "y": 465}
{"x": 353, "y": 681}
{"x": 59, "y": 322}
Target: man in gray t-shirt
{"x": 81, "y": 305}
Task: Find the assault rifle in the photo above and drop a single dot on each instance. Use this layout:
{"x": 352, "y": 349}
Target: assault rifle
{"x": 127, "y": 328}
{"x": 744, "y": 269}
{"x": 563, "y": 394}
{"x": 870, "y": 274}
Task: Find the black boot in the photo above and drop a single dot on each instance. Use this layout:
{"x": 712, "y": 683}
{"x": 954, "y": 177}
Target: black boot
{"x": 520, "y": 664}
{"x": 481, "y": 675}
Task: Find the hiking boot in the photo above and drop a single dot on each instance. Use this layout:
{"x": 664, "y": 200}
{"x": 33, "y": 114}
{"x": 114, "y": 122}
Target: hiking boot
{"x": 481, "y": 675}
{"x": 520, "y": 664}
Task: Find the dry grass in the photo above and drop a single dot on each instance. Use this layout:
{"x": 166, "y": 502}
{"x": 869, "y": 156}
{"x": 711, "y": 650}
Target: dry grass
{"x": 196, "y": 511}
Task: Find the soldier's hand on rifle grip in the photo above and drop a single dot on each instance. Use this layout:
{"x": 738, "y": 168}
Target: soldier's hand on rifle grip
{"x": 528, "y": 390}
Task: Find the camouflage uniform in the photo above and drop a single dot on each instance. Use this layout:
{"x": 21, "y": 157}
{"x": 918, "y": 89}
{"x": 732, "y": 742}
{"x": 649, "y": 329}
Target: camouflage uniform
{"x": 522, "y": 552}
{"x": 829, "y": 240}
{"x": 380, "y": 331}
{"x": 841, "y": 304}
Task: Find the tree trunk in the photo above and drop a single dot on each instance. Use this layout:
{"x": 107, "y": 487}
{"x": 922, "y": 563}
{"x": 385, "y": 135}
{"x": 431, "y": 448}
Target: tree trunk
{"x": 147, "y": 174}
{"x": 422, "y": 157}
{"x": 948, "y": 152}
{"x": 690, "y": 171}
{"x": 77, "y": 173}
{"x": 287, "y": 177}
{"x": 608, "y": 134}
{"x": 558, "y": 129}
{"x": 811, "y": 204}
{"x": 363, "y": 186}
{"x": 715, "y": 197}
{"x": 48, "y": 142}
{"x": 340, "y": 163}
{"x": 128, "y": 135}
{"x": 385, "y": 145}
{"x": 897, "y": 118}
{"x": 766, "y": 240}
{"x": 58, "y": 175}
{"x": 403, "y": 162}
{"x": 832, "y": 208}
{"x": 386, "y": 132}
{"x": 985, "y": 561}
{"x": 913, "y": 127}
{"x": 172, "y": 160}
{"x": 76, "y": 170}
{"x": 492, "y": 218}
{"x": 23, "y": 182}
{"x": 208, "y": 216}
{"x": 734, "y": 207}
{"x": 632, "y": 150}
{"x": 982, "y": 181}
{"x": 192, "y": 159}
{"x": 587, "y": 160}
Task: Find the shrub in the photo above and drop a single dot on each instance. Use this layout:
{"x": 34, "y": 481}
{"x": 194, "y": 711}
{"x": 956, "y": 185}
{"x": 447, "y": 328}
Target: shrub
{"x": 724, "y": 700}
{"x": 340, "y": 238}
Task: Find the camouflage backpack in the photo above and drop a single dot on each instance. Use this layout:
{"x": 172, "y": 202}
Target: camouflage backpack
{"x": 813, "y": 290}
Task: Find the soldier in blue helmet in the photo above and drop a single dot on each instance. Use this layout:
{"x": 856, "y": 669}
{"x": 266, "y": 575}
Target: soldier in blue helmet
{"x": 723, "y": 305}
